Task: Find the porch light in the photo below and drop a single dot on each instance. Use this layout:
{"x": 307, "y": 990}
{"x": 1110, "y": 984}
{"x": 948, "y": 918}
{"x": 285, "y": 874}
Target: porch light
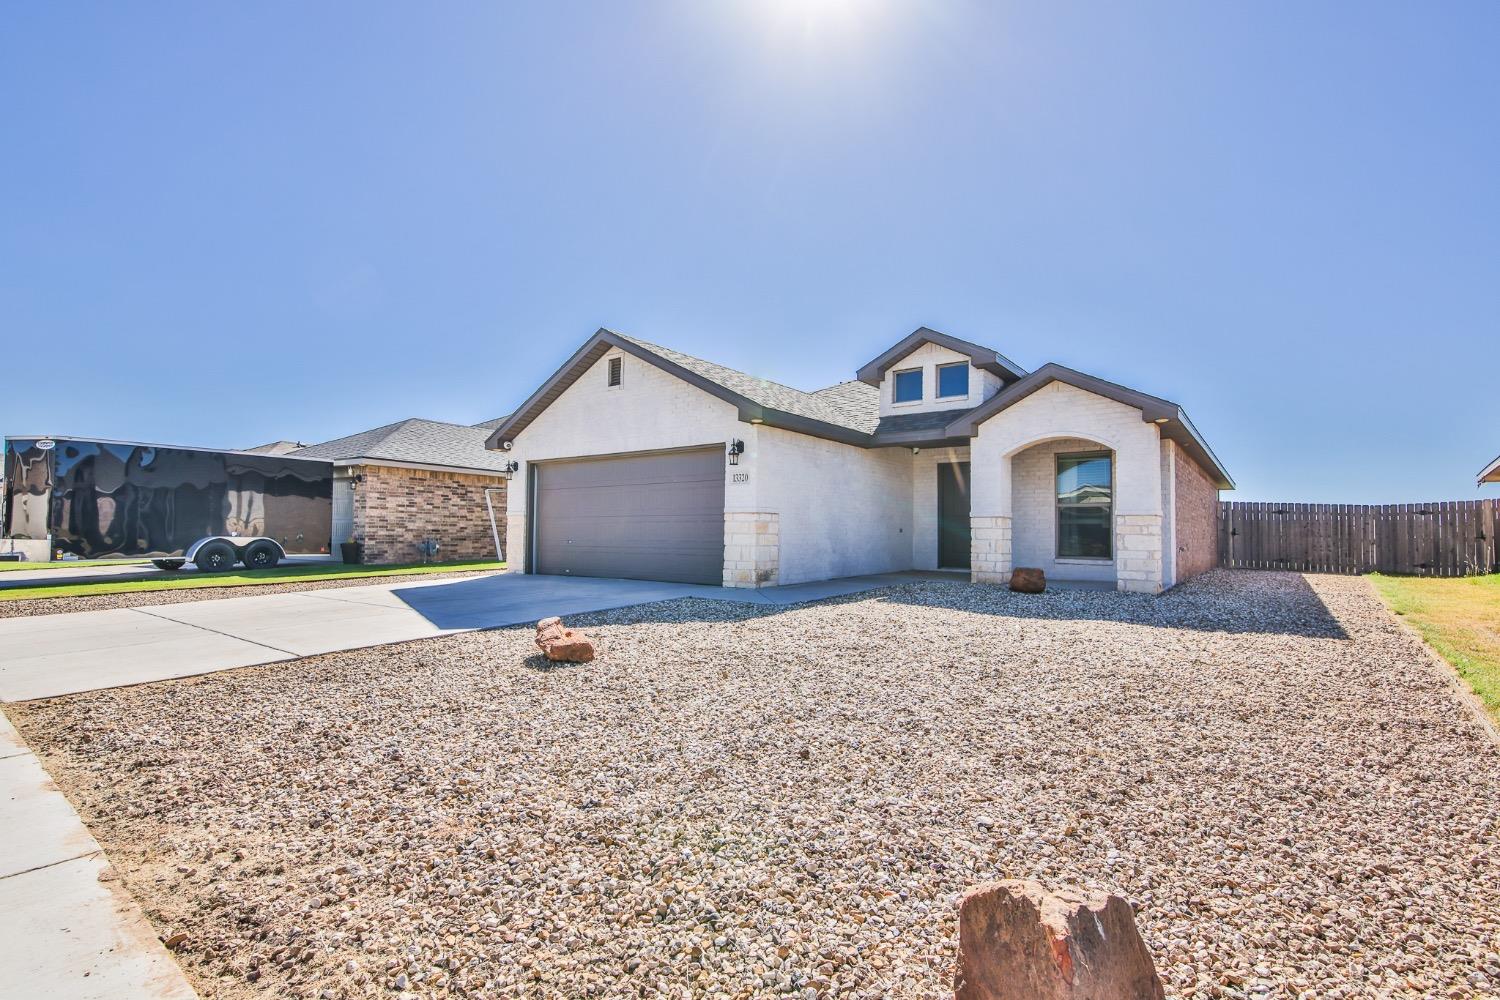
{"x": 1163, "y": 420}
{"x": 511, "y": 467}
{"x": 736, "y": 449}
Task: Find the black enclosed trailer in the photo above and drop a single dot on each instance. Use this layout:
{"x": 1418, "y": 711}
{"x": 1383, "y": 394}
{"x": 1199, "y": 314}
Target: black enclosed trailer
{"x": 96, "y": 498}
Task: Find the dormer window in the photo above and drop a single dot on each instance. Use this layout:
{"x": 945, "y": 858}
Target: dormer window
{"x": 953, "y": 380}
{"x": 906, "y": 387}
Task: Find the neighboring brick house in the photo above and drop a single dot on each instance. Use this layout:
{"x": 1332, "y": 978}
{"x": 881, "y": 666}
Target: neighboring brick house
{"x": 640, "y": 461}
{"x": 398, "y": 486}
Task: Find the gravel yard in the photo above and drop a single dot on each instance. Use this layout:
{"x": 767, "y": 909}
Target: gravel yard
{"x": 732, "y": 802}
{"x": 150, "y": 598}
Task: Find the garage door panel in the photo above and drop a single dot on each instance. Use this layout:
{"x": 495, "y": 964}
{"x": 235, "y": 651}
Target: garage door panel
{"x": 650, "y": 517}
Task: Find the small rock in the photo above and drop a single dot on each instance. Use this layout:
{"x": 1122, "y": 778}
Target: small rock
{"x": 1028, "y": 580}
{"x": 561, "y": 644}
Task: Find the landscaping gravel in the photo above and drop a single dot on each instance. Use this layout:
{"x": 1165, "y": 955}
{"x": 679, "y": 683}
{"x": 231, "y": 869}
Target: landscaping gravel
{"x": 734, "y": 801}
{"x": 27, "y": 607}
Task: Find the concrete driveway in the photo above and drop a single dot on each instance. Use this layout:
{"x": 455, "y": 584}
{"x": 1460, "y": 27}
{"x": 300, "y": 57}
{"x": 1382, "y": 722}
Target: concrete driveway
{"x": 49, "y": 655}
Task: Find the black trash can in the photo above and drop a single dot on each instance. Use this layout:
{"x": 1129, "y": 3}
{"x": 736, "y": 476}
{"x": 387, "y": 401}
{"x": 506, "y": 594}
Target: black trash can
{"x": 352, "y": 552}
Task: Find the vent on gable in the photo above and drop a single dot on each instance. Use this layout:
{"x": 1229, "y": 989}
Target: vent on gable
{"x": 614, "y": 371}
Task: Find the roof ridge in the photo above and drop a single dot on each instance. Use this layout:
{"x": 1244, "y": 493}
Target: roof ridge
{"x": 693, "y": 357}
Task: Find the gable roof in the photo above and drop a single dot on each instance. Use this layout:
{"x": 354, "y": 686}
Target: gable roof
{"x": 1167, "y": 415}
{"x": 981, "y": 357}
{"x": 837, "y": 416}
{"x": 1490, "y": 473}
{"x": 413, "y": 442}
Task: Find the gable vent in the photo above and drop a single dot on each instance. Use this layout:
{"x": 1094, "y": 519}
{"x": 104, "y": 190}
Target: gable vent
{"x": 614, "y": 371}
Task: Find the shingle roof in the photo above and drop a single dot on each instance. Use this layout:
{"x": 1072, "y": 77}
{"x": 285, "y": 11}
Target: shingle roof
{"x": 490, "y": 425}
{"x": 908, "y": 423}
{"x": 416, "y": 441}
{"x": 855, "y": 398}
{"x": 839, "y": 409}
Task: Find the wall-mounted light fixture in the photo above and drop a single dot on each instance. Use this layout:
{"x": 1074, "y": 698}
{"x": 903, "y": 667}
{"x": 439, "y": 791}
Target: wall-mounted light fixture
{"x": 736, "y": 449}
{"x": 354, "y": 481}
{"x": 511, "y": 467}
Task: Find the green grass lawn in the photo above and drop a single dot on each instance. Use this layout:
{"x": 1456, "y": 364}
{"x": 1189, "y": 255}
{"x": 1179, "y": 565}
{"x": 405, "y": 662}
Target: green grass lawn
{"x": 281, "y": 574}
{"x": 9, "y": 567}
{"x": 1460, "y": 618}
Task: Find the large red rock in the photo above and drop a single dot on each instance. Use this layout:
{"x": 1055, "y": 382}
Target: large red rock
{"x": 1017, "y": 941}
{"x": 1027, "y": 580}
{"x": 563, "y": 645}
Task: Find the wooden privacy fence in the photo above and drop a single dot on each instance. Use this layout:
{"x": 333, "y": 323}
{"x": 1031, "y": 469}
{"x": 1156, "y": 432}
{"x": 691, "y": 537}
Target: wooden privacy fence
{"x": 1452, "y": 538}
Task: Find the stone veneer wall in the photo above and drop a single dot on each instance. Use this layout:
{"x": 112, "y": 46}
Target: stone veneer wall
{"x": 1196, "y": 528}
{"x": 989, "y": 549}
{"x": 752, "y": 548}
{"x": 1138, "y": 563}
{"x": 395, "y": 509}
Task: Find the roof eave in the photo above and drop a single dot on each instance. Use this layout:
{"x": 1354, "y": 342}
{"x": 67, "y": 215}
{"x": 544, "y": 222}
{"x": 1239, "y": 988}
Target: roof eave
{"x": 596, "y": 346}
{"x": 1170, "y": 418}
{"x": 982, "y": 357}
{"x": 1490, "y": 473}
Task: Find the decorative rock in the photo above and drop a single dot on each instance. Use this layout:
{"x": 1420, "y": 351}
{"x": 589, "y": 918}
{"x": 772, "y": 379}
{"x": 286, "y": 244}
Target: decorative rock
{"x": 561, "y": 644}
{"x": 1015, "y": 939}
{"x": 1028, "y": 580}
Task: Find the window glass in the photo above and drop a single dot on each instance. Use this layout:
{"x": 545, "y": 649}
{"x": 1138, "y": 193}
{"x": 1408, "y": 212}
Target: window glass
{"x": 1085, "y": 495}
{"x": 908, "y": 387}
{"x": 953, "y": 380}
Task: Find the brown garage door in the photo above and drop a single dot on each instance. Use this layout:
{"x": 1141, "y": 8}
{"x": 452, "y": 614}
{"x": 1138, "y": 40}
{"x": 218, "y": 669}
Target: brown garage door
{"x": 656, "y": 516}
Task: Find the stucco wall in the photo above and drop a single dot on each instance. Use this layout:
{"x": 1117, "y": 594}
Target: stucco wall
{"x": 395, "y": 509}
{"x": 844, "y": 511}
{"x": 1196, "y": 525}
{"x": 982, "y": 384}
{"x": 1034, "y": 513}
{"x": 924, "y": 495}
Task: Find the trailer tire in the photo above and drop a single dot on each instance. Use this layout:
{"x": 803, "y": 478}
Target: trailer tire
{"x": 261, "y": 555}
{"x": 215, "y": 557}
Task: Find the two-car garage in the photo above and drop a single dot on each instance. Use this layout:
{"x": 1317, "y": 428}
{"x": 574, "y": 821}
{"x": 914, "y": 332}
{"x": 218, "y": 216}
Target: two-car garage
{"x": 641, "y": 516}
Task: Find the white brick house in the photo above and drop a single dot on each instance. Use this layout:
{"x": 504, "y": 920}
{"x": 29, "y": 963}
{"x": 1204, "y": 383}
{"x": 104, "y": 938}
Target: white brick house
{"x": 639, "y": 461}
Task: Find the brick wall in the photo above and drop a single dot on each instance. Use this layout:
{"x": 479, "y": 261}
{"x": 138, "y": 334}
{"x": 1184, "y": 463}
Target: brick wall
{"x": 395, "y": 509}
{"x": 1033, "y": 492}
{"x": 1196, "y": 532}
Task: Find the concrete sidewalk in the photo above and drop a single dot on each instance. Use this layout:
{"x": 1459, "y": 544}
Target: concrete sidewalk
{"x": 68, "y": 929}
{"x": 49, "y": 655}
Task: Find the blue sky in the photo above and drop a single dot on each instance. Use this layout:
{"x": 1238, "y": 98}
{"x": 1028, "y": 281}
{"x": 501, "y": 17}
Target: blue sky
{"x": 225, "y": 224}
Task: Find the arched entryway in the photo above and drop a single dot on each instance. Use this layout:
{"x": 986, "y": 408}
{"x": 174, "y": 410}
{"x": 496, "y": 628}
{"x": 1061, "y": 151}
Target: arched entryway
{"x": 1062, "y": 509}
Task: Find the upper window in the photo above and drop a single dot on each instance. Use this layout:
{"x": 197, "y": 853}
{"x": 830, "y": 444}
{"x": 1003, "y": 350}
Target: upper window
{"x": 614, "y": 371}
{"x": 953, "y": 380}
{"x": 1085, "y": 501}
{"x": 907, "y": 387}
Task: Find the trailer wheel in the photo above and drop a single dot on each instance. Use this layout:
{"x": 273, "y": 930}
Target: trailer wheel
{"x": 261, "y": 555}
{"x": 215, "y": 557}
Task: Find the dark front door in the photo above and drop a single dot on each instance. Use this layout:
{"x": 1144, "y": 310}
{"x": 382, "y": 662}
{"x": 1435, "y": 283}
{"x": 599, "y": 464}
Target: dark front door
{"x": 953, "y": 515}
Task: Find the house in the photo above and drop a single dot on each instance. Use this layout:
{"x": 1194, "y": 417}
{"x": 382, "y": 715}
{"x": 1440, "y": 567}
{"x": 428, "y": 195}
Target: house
{"x": 1490, "y": 473}
{"x": 399, "y": 485}
{"x": 635, "y": 460}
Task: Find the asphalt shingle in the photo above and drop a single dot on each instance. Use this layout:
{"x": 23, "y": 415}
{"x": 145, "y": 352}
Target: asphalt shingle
{"x": 426, "y": 442}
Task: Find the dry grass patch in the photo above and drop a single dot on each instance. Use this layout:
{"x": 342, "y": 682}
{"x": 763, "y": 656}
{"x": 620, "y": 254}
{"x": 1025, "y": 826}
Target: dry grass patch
{"x": 1460, "y": 618}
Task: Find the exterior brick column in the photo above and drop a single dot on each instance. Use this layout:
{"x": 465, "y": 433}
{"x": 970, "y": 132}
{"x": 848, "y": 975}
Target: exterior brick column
{"x": 989, "y": 549}
{"x": 752, "y": 548}
{"x": 1138, "y": 553}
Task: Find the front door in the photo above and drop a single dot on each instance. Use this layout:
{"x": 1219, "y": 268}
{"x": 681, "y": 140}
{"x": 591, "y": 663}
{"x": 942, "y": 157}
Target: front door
{"x": 953, "y": 515}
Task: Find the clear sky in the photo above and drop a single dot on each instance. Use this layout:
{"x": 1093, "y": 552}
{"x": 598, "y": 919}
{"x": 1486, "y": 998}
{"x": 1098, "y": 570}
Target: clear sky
{"x": 225, "y": 224}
